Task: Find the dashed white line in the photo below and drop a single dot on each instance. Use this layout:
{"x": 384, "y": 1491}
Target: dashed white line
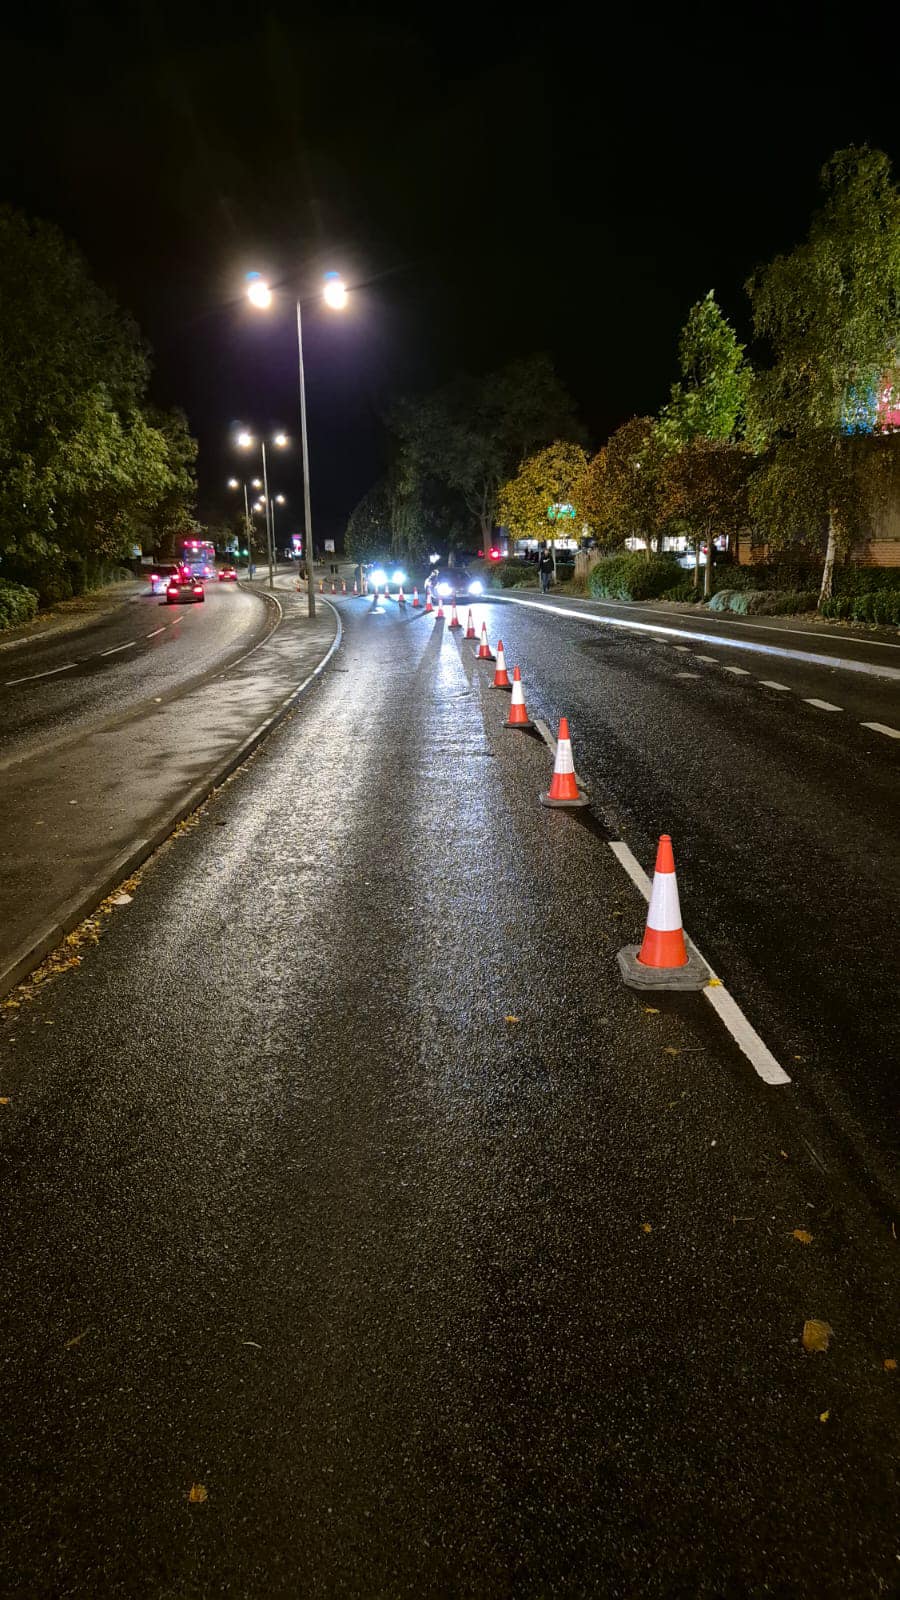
{"x": 51, "y": 672}
{"x": 769, "y": 683}
{"x": 822, "y": 705}
{"x": 739, "y": 672}
{"x": 156, "y": 631}
{"x": 713, "y": 659}
{"x": 687, "y": 674}
{"x": 117, "y": 647}
{"x": 723, "y": 1003}
{"x": 685, "y": 650}
{"x": 882, "y": 727}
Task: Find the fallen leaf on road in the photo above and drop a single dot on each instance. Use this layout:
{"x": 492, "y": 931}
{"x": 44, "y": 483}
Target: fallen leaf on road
{"x": 120, "y": 900}
{"x": 512, "y": 1019}
{"x": 647, "y": 1227}
{"x": 890, "y": 1365}
{"x": 197, "y": 1494}
{"x": 4, "y": 1099}
{"x": 651, "y": 1011}
{"x": 824, "y": 1415}
{"x": 714, "y": 983}
{"x": 816, "y": 1335}
{"x": 71, "y": 1343}
{"x": 671, "y": 1050}
{"x": 802, "y": 1235}
{"x": 783, "y": 1153}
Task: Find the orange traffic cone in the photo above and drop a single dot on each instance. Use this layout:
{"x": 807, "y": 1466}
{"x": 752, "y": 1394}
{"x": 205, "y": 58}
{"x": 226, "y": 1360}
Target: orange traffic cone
{"x": 401, "y": 597}
{"x": 470, "y": 626}
{"x": 483, "y": 653}
{"x": 416, "y": 601}
{"x": 663, "y": 960}
{"x": 321, "y": 585}
{"x": 518, "y": 716}
{"x": 439, "y": 615}
{"x": 343, "y": 586}
{"x": 428, "y": 606}
{"x": 564, "y": 790}
{"x": 333, "y": 587}
{"x": 454, "y": 619}
{"x": 501, "y": 676}
{"x": 355, "y": 587}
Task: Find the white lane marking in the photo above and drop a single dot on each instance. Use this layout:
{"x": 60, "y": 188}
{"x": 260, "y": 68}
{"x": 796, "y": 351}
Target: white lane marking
{"x": 51, "y": 672}
{"x": 685, "y": 649}
{"x": 156, "y": 631}
{"x": 882, "y": 727}
{"x": 769, "y": 683}
{"x": 548, "y": 738}
{"x": 117, "y": 647}
{"x": 822, "y": 705}
{"x": 739, "y": 672}
{"x": 744, "y": 1035}
{"x": 687, "y": 674}
{"x": 721, "y": 640}
{"x": 713, "y": 659}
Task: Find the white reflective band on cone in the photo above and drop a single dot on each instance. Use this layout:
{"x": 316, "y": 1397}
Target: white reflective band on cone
{"x": 564, "y": 764}
{"x": 518, "y": 698}
{"x": 665, "y": 912}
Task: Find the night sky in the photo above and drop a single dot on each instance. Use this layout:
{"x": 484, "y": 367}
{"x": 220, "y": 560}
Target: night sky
{"x": 492, "y": 188}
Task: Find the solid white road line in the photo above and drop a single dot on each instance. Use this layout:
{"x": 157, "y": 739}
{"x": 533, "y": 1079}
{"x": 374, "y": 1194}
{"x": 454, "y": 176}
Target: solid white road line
{"x": 822, "y": 705}
{"x": 882, "y": 727}
{"x": 117, "y": 647}
{"x": 769, "y": 683}
{"x": 51, "y": 672}
{"x": 723, "y": 1003}
{"x": 872, "y": 669}
{"x": 156, "y": 631}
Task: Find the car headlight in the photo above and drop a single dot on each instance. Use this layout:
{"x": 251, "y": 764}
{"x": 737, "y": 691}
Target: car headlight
{"x": 476, "y": 586}
{"x": 378, "y": 577}
{"x": 399, "y": 577}
{"x": 443, "y": 587}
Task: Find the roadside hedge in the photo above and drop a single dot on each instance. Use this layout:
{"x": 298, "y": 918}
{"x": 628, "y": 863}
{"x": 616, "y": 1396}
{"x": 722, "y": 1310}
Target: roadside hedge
{"x": 764, "y": 602}
{"x": 630, "y": 576}
{"x": 18, "y": 604}
{"x": 515, "y": 574}
{"x": 877, "y": 605}
{"x": 686, "y": 590}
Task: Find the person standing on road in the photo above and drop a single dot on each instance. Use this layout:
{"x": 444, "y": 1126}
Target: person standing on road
{"x": 545, "y": 569}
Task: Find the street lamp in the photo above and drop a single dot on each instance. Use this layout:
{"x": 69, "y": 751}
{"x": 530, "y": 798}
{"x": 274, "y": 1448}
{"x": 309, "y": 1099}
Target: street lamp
{"x": 233, "y": 483}
{"x": 246, "y": 441}
{"x": 334, "y": 293}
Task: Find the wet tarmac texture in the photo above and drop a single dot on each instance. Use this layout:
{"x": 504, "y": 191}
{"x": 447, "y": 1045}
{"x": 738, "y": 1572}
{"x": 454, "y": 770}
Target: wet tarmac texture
{"x": 345, "y": 1182}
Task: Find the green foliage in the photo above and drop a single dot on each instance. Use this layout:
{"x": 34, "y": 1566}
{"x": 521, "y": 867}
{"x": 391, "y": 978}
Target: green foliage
{"x": 84, "y": 467}
{"x": 686, "y": 590}
{"x": 515, "y": 574}
{"x": 622, "y": 486}
{"x": 552, "y": 476}
{"x": 877, "y": 605}
{"x": 18, "y": 604}
{"x": 631, "y": 576}
{"x": 764, "y": 602}
{"x": 710, "y": 402}
{"x": 852, "y": 579}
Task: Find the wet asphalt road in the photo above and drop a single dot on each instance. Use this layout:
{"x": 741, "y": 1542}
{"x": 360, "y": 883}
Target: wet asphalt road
{"x": 344, "y": 1179}
{"x": 67, "y": 681}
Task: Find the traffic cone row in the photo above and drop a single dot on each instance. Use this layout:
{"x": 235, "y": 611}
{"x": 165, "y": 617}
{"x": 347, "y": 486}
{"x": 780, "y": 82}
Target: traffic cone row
{"x": 664, "y": 959}
{"x": 470, "y": 626}
{"x": 483, "y": 652}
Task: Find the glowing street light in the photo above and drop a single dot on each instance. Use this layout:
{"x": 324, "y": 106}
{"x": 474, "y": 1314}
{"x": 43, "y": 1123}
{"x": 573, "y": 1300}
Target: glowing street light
{"x": 246, "y": 441}
{"x": 334, "y": 293}
{"x": 258, "y": 292}
{"x": 233, "y": 483}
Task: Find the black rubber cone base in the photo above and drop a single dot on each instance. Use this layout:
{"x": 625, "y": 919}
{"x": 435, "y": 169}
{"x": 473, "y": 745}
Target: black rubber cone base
{"x": 565, "y": 805}
{"x": 519, "y": 727}
{"x": 694, "y": 976}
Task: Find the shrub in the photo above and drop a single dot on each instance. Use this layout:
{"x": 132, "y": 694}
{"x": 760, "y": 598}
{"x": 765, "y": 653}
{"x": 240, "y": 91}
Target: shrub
{"x": 855, "y": 580}
{"x": 631, "y": 576}
{"x": 787, "y": 602}
{"x": 18, "y": 604}
{"x": 721, "y": 600}
{"x": 728, "y": 576}
{"x": 685, "y": 590}
{"x": 515, "y": 574}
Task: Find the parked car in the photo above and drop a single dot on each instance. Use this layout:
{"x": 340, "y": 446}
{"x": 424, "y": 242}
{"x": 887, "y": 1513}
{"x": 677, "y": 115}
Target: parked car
{"x": 184, "y": 591}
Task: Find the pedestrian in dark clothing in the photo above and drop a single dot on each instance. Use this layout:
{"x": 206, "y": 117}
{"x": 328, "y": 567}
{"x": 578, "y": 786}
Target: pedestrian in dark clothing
{"x": 545, "y": 570}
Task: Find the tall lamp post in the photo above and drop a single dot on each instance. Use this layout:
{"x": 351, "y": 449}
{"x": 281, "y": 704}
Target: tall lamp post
{"x": 248, "y": 525}
{"x": 246, "y": 442}
{"x": 334, "y": 293}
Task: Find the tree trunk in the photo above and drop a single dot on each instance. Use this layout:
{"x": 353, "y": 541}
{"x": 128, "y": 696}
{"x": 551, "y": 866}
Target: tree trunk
{"x": 707, "y": 576}
{"x": 697, "y": 564}
{"x": 828, "y": 569}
